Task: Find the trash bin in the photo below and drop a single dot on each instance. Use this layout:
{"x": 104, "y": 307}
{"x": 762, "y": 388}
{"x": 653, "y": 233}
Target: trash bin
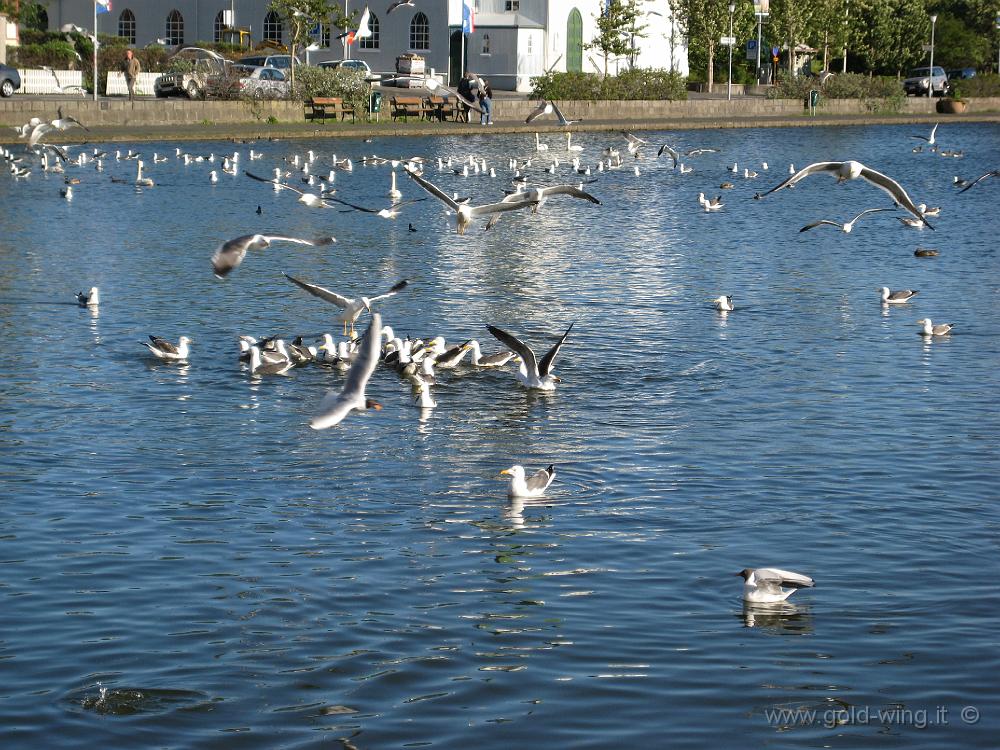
{"x": 813, "y": 100}
{"x": 375, "y": 104}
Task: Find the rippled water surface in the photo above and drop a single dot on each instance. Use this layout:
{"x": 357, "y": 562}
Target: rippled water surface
{"x": 184, "y": 563}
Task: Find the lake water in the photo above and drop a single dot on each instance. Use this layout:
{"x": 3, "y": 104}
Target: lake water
{"x": 184, "y": 563}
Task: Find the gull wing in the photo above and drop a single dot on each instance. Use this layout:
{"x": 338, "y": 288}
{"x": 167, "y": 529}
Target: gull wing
{"x": 696, "y": 151}
{"x": 815, "y": 224}
{"x": 543, "y": 108}
{"x": 335, "y": 406}
{"x": 398, "y": 4}
{"x": 354, "y": 206}
{"x": 870, "y": 211}
{"x": 633, "y": 139}
{"x": 163, "y": 345}
{"x": 541, "y": 479}
{"x": 820, "y": 166}
{"x": 252, "y": 176}
{"x": 667, "y": 149}
{"x": 396, "y": 289}
{"x": 894, "y": 189}
{"x": 780, "y": 577}
{"x": 545, "y": 366}
{"x": 432, "y": 189}
{"x": 516, "y": 345}
{"x": 269, "y": 238}
{"x": 569, "y": 190}
{"x": 318, "y": 291}
{"x": 562, "y": 118}
{"x": 38, "y": 131}
{"x": 992, "y": 173}
{"x": 492, "y": 208}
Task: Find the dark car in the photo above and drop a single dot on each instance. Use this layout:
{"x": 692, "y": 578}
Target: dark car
{"x": 10, "y": 80}
{"x": 960, "y": 74}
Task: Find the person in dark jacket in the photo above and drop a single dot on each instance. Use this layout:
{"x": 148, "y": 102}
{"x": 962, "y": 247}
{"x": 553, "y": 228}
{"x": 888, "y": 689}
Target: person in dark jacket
{"x": 485, "y": 102}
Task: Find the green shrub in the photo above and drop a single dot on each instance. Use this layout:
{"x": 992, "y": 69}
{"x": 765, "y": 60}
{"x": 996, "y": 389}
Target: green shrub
{"x": 349, "y": 85}
{"x": 878, "y": 94}
{"x": 631, "y": 84}
{"x": 58, "y": 54}
{"x": 980, "y": 85}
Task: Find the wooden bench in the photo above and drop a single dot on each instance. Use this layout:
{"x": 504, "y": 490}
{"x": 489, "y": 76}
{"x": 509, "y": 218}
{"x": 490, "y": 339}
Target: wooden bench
{"x": 404, "y": 106}
{"x": 330, "y": 105}
{"x": 440, "y": 108}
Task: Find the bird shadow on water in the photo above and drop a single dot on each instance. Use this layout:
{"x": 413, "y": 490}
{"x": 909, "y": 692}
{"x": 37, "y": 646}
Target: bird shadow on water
{"x": 782, "y": 618}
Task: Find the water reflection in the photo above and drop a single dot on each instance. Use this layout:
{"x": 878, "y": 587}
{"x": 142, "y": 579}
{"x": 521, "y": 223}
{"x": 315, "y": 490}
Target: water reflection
{"x": 780, "y": 618}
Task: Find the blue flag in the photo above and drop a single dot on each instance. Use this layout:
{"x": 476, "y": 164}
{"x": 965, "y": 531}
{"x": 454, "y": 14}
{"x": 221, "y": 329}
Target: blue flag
{"x": 468, "y": 17}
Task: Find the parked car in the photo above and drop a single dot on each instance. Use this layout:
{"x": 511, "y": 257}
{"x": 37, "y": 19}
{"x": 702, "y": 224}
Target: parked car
{"x": 961, "y": 74}
{"x": 920, "y": 79}
{"x": 359, "y": 65}
{"x": 248, "y": 81}
{"x": 195, "y": 65}
{"x": 10, "y": 80}
{"x": 282, "y": 62}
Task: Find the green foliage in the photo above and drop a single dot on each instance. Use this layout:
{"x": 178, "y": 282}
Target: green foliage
{"x": 632, "y": 84}
{"x": 980, "y": 85}
{"x": 31, "y": 17}
{"x": 617, "y": 27}
{"x": 349, "y": 85}
{"x": 877, "y": 94}
{"x": 58, "y": 54}
{"x": 958, "y": 46}
{"x": 705, "y": 21}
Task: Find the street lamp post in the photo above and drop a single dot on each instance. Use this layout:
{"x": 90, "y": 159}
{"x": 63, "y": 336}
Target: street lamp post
{"x": 930, "y": 77}
{"x": 847, "y": 16}
{"x": 732, "y": 9}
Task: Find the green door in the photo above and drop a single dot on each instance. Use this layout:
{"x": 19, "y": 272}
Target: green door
{"x": 574, "y": 42}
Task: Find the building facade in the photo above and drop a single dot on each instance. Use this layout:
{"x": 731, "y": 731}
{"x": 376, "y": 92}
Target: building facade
{"x": 513, "y": 40}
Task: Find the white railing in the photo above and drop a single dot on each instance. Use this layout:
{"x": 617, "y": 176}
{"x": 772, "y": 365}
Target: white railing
{"x": 48, "y": 81}
{"x": 116, "y": 85}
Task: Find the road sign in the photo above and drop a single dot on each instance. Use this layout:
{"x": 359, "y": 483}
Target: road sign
{"x": 775, "y": 51}
{"x": 774, "y": 58}
{"x": 926, "y": 47}
{"x": 752, "y": 49}
{"x": 728, "y": 41}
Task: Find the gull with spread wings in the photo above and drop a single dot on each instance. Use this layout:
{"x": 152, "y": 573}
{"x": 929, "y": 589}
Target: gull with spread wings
{"x": 532, "y": 373}
{"x": 337, "y": 405}
{"x": 549, "y": 108}
{"x": 231, "y": 253}
{"x": 352, "y": 308}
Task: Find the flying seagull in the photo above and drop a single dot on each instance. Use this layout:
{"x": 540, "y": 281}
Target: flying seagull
{"x": 231, "y": 253}
{"x": 337, "y": 405}
{"x": 399, "y": 4}
{"x": 847, "y": 226}
{"x": 532, "y": 373}
{"x": 549, "y": 108}
{"x": 764, "y": 585}
{"x": 993, "y": 173}
{"x": 930, "y": 140}
{"x": 351, "y": 307}
{"x": 851, "y": 170}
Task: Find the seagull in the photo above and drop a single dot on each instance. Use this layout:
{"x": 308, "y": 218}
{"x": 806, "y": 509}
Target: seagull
{"x": 335, "y": 406}
{"x": 710, "y": 204}
{"x": 698, "y": 151}
{"x": 386, "y": 213}
{"x": 634, "y": 142}
{"x": 310, "y": 199}
{"x": 351, "y": 307}
{"x": 464, "y": 214}
{"x": 90, "y": 299}
{"x": 764, "y": 585}
{"x": 672, "y": 152}
{"x": 163, "y": 349}
{"x": 929, "y": 329}
{"x": 139, "y": 179}
{"x": 532, "y": 373}
{"x": 490, "y": 360}
{"x": 231, "y": 253}
{"x": 724, "y": 303}
{"x": 851, "y": 170}
{"x": 399, "y": 4}
{"x": 973, "y": 183}
{"x": 533, "y": 486}
{"x": 424, "y": 396}
{"x": 548, "y": 108}
{"x": 930, "y": 140}
{"x": 275, "y": 364}
{"x": 898, "y": 297}
{"x": 847, "y": 226}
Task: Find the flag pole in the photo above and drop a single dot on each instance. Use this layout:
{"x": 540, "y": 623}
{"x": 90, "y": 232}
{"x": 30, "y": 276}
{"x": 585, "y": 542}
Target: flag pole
{"x": 95, "y": 50}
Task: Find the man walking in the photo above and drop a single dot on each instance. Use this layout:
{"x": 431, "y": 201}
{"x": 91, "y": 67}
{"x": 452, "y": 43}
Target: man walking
{"x": 132, "y": 69}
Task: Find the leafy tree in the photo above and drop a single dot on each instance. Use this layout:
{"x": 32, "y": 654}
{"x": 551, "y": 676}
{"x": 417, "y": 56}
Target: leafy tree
{"x": 889, "y": 34}
{"x": 302, "y": 15}
{"x": 791, "y": 21}
{"x": 959, "y": 45}
{"x": 617, "y": 25}
{"x": 706, "y": 21}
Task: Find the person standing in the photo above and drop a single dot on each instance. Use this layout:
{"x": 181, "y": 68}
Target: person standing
{"x": 132, "y": 69}
{"x": 485, "y": 102}
{"x": 465, "y": 95}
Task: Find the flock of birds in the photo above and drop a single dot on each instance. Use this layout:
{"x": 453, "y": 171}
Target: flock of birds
{"x": 417, "y": 361}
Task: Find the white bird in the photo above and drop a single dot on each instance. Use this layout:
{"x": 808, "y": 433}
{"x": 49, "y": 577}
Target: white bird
{"x": 163, "y": 349}
{"x": 276, "y": 363}
{"x": 929, "y": 329}
{"x": 464, "y": 213}
{"x": 424, "y": 396}
{"x": 539, "y": 146}
{"x": 670, "y": 151}
{"x": 337, "y": 405}
{"x": 851, "y": 170}
{"x": 847, "y": 226}
{"x": 532, "y": 372}
{"x": 213, "y": 176}
{"x": 90, "y": 299}
{"x": 394, "y": 192}
{"x": 724, "y": 303}
{"x": 569, "y": 143}
{"x": 231, "y": 253}
{"x": 351, "y": 307}
{"x": 710, "y": 204}
{"x": 310, "y": 199}
{"x": 898, "y": 297}
{"x": 930, "y": 140}
{"x": 764, "y": 585}
{"x": 548, "y": 108}
{"x": 491, "y": 360}
{"x": 139, "y": 179}
{"x": 533, "y": 486}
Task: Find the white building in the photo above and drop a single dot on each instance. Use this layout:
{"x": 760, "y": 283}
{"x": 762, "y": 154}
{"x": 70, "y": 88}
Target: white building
{"x": 513, "y": 40}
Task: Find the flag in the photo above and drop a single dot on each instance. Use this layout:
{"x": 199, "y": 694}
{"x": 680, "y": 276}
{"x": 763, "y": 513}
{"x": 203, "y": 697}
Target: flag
{"x": 102, "y": 6}
{"x": 468, "y": 17}
{"x": 363, "y": 29}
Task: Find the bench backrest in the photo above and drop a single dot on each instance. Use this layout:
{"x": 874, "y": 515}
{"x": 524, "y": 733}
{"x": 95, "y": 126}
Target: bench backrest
{"x": 406, "y": 101}
{"x": 326, "y": 100}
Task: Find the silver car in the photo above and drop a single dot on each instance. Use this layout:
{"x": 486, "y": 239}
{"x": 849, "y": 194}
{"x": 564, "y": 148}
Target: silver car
{"x": 920, "y": 79}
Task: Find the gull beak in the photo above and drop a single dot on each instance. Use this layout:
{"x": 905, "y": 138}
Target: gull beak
{"x": 557, "y": 379}
{"x": 505, "y": 471}
{"x": 373, "y": 404}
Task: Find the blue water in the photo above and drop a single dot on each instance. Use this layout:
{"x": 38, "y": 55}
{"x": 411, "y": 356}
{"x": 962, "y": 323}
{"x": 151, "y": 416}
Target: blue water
{"x": 184, "y": 563}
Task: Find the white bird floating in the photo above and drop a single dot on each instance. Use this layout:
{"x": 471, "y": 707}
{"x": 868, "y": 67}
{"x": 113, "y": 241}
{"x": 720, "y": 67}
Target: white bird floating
{"x": 896, "y": 298}
{"x": 929, "y": 329}
{"x": 90, "y": 299}
{"x": 533, "y": 486}
{"x": 724, "y": 303}
{"x": 765, "y": 585}
{"x": 163, "y": 349}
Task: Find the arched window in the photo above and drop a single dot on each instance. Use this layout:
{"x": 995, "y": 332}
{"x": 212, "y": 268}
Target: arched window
{"x": 272, "y": 26}
{"x": 218, "y": 27}
{"x": 126, "y": 25}
{"x": 175, "y": 28}
{"x": 574, "y": 42}
{"x": 371, "y": 42}
{"x": 420, "y": 32}
{"x": 486, "y": 44}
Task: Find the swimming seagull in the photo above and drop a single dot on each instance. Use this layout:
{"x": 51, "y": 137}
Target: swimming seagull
{"x": 846, "y": 227}
{"x": 90, "y": 299}
{"x": 930, "y": 140}
{"x": 163, "y": 349}
{"x": 464, "y": 214}
{"x": 764, "y": 585}
{"x": 929, "y": 329}
{"x": 724, "y": 303}
{"x": 533, "y": 486}
{"x": 335, "y": 406}
{"x": 532, "y": 373}
{"x": 351, "y": 307}
{"x": 973, "y": 183}
{"x": 231, "y": 253}
{"x": 851, "y": 170}
{"x": 898, "y": 297}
